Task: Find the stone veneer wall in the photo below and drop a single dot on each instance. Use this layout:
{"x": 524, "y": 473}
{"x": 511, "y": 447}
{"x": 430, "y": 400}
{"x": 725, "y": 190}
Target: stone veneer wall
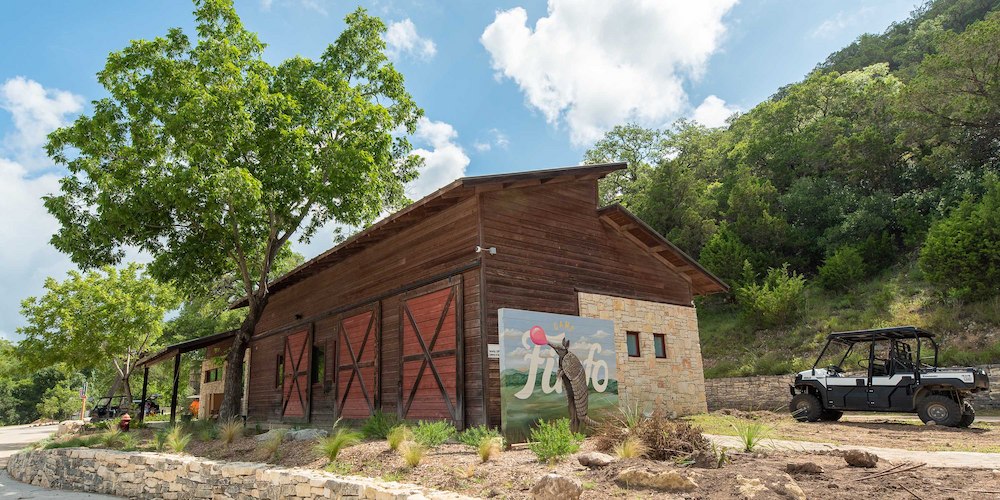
{"x": 676, "y": 383}
{"x": 152, "y": 475}
{"x": 771, "y": 392}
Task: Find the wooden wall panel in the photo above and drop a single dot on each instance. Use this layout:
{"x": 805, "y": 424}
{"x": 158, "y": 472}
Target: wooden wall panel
{"x": 550, "y": 244}
{"x": 433, "y": 247}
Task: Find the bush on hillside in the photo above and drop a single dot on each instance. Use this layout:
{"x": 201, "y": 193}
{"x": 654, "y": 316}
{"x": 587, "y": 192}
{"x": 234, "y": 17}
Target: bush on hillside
{"x": 842, "y": 270}
{"x": 962, "y": 251}
{"x": 724, "y": 255}
{"x": 775, "y": 301}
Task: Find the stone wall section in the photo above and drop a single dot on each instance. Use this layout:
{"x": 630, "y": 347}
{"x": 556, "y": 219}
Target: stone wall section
{"x": 674, "y": 384}
{"x": 771, "y": 392}
{"x": 153, "y": 475}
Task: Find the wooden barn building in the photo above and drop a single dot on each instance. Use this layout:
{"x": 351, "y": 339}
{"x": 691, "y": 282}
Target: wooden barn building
{"x": 398, "y": 318}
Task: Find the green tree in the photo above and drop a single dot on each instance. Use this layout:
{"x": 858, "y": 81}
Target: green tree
{"x": 95, "y": 318}
{"x": 61, "y": 400}
{"x": 639, "y": 148}
{"x": 210, "y": 159}
{"x": 957, "y": 91}
{"x": 962, "y": 251}
{"x": 842, "y": 269}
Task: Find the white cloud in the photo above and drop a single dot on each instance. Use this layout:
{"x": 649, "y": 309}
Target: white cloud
{"x": 401, "y": 39}
{"x": 444, "y": 161}
{"x": 35, "y": 111}
{"x": 28, "y": 258}
{"x": 594, "y": 64}
{"x": 838, "y": 23}
{"x": 713, "y": 112}
{"x": 496, "y": 139}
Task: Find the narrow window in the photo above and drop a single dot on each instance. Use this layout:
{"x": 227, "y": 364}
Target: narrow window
{"x": 660, "y": 345}
{"x": 280, "y": 371}
{"x": 632, "y": 341}
{"x": 318, "y": 364}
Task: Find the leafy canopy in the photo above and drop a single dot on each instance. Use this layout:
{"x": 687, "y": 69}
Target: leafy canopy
{"x": 90, "y": 319}
{"x": 209, "y": 158}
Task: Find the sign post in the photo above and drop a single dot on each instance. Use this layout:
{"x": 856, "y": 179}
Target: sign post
{"x": 83, "y": 396}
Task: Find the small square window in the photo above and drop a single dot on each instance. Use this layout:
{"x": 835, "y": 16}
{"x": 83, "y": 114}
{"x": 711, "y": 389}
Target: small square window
{"x": 632, "y": 342}
{"x": 660, "y": 345}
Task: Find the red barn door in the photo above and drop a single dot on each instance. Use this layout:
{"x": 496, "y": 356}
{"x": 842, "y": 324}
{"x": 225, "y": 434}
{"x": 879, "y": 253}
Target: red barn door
{"x": 295, "y": 387}
{"x": 431, "y": 363}
{"x": 357, "y": 363}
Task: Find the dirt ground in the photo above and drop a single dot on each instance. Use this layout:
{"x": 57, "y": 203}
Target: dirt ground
{"x": 455, "y": 467}
{"x": 888, "y": 432}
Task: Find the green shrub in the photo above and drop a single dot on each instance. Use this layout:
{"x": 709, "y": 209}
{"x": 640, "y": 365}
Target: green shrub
{"x": 331, "y": 445}
{"x": 750, "y": 432}
{"x": 111, "y": 438}
{"x": 207, "y": 431}
{"x": 379, "y": 424}
{"x": 74, "y": 442}
{"x": 432, "y": 434}
{"x": 775, "y": 301}
{"x": 177, "y": 440}
{"x": 160, "y": 439}
{"x": 962, "y": 251}
{"x": 474, "y": 435}
{"x": 842, "y": 270}
{"x": 724, "y": 255}
{"x": 553, "y": 440}
{"x": 128, "y": 442}
{"x": 398, "y": 435}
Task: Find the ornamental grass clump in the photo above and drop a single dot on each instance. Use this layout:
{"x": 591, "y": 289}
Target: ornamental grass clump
{"x": 631, "y": 447}
{"x": 489, "y": 447}
{"x": 160, "y": 439}
{"x": 230, "y": 429}
{"x": 398, "y": 435}
{"x": 433, "y": 434}
{"x": 177, "y": 440}
{"x": 332, "y": 445}
{"x": 750, "y": 432}
{"x": 111, "y": 438}
{"x": 552, "y": 441}
{"x": 412, "y": 453}
{"x": 273, "y": 445}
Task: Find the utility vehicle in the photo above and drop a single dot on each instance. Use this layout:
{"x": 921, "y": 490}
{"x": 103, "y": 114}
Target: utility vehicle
{"x": 887, "y": 369}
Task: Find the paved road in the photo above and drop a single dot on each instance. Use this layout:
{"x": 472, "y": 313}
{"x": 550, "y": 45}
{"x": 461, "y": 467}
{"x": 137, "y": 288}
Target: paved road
{"x": 16, "y": 437}
{"x": 947, "y": 459}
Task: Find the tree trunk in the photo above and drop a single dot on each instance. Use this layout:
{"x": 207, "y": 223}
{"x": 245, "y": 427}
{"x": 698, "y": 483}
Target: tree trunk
{"x": 114, "y": 386}
{"x": 127, "y": 389}
{"x": 232, "y": 392}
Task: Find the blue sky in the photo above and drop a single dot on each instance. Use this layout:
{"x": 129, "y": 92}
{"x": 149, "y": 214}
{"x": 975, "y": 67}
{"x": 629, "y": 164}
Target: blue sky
{"x": 509, "y": 85}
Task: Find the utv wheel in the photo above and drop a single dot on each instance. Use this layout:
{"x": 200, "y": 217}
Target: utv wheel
{"x": 805, "y": 407}
{"x": 941, "y": 409}
{"x": 831, "y": 415}
{"x": 968, "y": 414}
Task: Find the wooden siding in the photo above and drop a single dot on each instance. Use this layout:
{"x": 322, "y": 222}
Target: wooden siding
{"x": 440, "y": 246}
{"x": 551, "y": 244}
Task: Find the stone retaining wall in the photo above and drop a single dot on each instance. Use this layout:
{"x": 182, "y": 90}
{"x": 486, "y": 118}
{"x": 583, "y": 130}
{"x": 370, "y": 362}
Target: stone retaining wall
{"x": 153, "y": 475}
{"x": 771, "y": 392}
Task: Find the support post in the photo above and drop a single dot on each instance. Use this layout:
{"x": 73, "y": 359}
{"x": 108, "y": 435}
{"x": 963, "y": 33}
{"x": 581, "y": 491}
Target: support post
{"x": 142, "y": 399}
{"x": 173, "y": 395}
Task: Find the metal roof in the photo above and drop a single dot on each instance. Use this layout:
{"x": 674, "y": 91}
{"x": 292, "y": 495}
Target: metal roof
{"x": 186, "y": 346}
{"x": 893, "y": 333}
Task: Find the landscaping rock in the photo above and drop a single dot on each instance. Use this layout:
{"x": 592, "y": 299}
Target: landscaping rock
{"x": 787, "y": 487}
{"x": 706, "y": 459}
{"x": 804, "y": 468}
{"x": 270, "y": 434}
{"x": 859, "y": 458}
{"x": 68, "y": 427}
{"x": 305, "y": 435}
{"x": 595, "y": 459}
{"x": 556, "y": 487}
{"x": 749, "y": 487}
{"x": 669, "y": 480}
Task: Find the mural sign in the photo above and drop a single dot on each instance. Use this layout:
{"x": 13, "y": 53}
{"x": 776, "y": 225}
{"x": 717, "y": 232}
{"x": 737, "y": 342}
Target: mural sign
{"x": 554, "y": 366}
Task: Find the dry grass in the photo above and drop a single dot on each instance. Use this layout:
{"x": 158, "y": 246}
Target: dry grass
{"x": 631, "y": 447}
{"x": 398, "y": 435}
{"x": 488, "y": 448}
{"x": 229, "y": 430}
{"x": 663, "y": 438}
{"x": 412, "y": 453}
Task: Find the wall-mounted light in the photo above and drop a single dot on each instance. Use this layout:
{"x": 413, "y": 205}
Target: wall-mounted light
{"x": 491, "y": 250}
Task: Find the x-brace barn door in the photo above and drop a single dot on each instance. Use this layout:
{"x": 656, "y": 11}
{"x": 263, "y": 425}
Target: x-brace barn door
{"x": 357, "y": 363}
{"x": 295, "y": 386}
{"x": 431, "y": 368}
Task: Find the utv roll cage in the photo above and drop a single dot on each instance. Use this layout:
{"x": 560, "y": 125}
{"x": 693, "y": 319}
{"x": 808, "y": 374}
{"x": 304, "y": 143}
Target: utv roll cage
{"x": 900, "y": 352}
